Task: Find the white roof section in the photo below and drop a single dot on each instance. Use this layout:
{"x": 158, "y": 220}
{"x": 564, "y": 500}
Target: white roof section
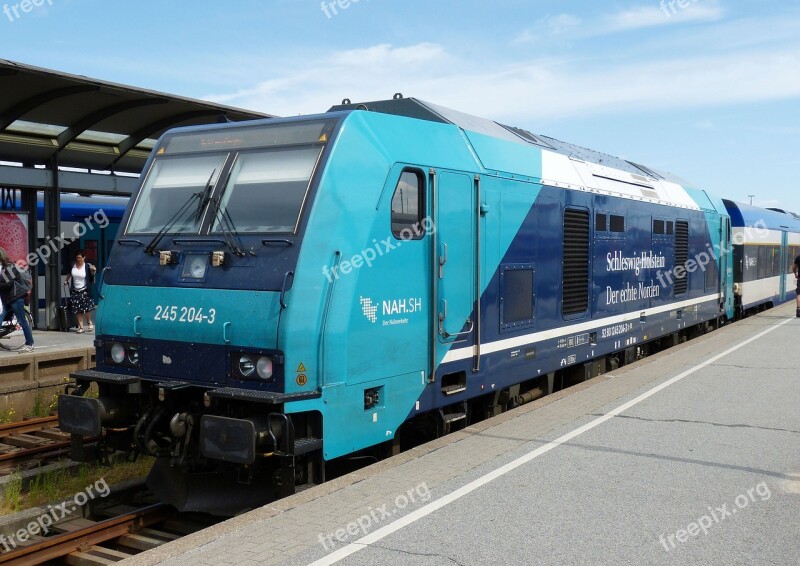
{"x": 559, "y": 170}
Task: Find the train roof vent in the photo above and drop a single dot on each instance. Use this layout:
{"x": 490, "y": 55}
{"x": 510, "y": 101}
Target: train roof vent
{"x": 781, "y": 210}
{"x": 647, "y": 171}
{"x": 527, "y": 136}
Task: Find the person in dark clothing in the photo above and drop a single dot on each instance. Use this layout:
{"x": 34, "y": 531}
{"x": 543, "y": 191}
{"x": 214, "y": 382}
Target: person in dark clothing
{"x": 11, "y": 303}
{"x": 796, "y": 271}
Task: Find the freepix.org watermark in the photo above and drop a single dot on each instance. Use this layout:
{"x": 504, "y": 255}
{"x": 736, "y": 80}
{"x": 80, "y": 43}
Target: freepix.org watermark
{"x": 711, "y": 254}
{"x": 714, "y": 517}
{"x": 671, "y": 7}
{"x": 55, "y": 513}
{"x": 375, "y": 516}
{"x": 332, "y": 7}
{"x": 378, "y": 249}
{"x": 54, "y": 245}
{"x": 15, "y": 11}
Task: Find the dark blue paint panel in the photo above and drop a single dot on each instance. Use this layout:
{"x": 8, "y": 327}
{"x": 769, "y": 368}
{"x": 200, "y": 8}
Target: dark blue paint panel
{"x": 172, "y": 360}
{"x": 539, "y": 244}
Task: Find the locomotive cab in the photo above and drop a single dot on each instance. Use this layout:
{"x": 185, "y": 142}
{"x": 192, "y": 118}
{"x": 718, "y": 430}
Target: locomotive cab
{"x": 191, "y": 367}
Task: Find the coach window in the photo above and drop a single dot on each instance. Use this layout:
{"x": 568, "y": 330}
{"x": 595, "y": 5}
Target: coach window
{"x": 408, "y": 206}
{"x": 776, "y": 260}
{"x": 658, "y": 228}
{"x": 617, "y": 223}
{"x": 762, "y": 262}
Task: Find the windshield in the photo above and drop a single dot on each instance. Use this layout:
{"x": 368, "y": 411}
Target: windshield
{"x": 266, "y": 190}
{"x": 170, "y": 184}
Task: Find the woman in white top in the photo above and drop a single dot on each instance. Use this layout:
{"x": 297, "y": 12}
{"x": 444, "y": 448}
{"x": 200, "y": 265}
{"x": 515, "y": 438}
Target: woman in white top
{"x": 81, "y": 278}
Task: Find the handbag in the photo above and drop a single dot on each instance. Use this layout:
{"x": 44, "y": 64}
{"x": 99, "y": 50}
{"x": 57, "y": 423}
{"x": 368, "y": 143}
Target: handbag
{"x": 21, "y": 284}
{"x": 18, "y": 290}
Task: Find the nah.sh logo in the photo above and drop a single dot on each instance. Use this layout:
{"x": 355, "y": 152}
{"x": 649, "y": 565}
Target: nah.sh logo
{"x": 369, "y": 310}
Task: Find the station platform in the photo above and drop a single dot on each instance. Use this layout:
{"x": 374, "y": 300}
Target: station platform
{"x": 28, "y": 379}
{"x": 688, "y": 456}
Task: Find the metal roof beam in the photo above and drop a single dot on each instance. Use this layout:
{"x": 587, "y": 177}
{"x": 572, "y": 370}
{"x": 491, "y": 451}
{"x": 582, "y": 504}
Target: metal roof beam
{"x": 17, "y": 112}
{"x": 70, "y": 181}
{"x": 72, "y": 132}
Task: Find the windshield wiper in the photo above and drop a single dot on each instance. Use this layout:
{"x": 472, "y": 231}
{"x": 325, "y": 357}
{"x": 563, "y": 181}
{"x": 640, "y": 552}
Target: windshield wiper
{"x": 202, "y": 196}
{"x": 151, "y": 247}
{"x": 228, "y": 228}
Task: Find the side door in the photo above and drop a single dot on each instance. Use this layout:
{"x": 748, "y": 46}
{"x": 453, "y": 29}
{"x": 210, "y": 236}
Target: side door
{"x": 455, "y": 269}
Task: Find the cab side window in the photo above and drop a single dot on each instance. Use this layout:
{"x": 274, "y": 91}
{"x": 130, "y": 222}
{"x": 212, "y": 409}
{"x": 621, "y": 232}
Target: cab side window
{"x": 408, "y": 206}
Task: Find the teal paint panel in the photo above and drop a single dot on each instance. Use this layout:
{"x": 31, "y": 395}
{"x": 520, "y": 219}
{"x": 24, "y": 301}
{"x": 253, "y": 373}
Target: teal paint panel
{"x": 351, "y": 216}
{"x": 704, "y": 201}
{"x": 500, "y": 155}
{"x": 343, "y": 410}
{"x": 245, "y": 318}
{"x": 716, "y": 216}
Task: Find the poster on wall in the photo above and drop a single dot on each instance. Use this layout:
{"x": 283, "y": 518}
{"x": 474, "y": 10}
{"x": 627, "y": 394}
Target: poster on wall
{"x": 14, "y": 235}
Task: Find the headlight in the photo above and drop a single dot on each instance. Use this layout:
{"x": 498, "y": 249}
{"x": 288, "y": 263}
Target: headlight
{"x": 125, "y": 354}
{"x": 133, "y": 355}
{"x": 246, "y": 366}
{"x": 252, "y": 366}
{"x": 118, "y": 353}
{"x": 194, "y": 266}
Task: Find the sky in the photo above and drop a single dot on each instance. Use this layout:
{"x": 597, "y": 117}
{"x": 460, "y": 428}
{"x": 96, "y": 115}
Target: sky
{"x": 708, "y": 90}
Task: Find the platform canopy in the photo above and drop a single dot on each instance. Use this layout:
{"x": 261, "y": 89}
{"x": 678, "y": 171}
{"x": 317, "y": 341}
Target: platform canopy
{"x": 88, "y": 123}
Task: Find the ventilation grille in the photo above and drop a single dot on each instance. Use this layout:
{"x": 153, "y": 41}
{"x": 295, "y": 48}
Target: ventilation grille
{"x": 575, "y": 268}
{"x": 681, "y": 255}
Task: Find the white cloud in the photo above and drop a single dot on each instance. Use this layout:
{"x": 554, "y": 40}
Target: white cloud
{"x": 569, "y": 26}
{"x": 668, "y": 13}
{"x": 373, "y": 73}
{"x": 524, "y": 91}
{"x": 560, "y": 24}
{"x": 705, "y": 125}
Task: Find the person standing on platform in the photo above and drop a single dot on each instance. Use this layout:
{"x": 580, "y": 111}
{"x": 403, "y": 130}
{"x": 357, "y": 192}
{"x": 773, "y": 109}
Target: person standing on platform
{"x": 80, "y": 281}
{"x": 13, "y": 302}
{"x": 796, "y": 271}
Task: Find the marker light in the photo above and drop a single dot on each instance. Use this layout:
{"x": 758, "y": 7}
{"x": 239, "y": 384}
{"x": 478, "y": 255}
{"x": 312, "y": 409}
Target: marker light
{"x": 217, "y": 258}
{"x": 167, "y": 258}
{"x": 118, "y": 353}
{"x": 264, "y": 367}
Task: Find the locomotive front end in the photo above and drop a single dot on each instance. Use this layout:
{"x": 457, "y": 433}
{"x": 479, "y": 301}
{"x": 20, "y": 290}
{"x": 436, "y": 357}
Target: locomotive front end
{"x": 191, "y": 364}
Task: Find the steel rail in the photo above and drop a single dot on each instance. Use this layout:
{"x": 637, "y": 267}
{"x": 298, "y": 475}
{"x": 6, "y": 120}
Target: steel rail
{"x": 58, "y": 546}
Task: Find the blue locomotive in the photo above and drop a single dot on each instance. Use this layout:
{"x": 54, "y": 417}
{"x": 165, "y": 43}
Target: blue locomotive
{"x": 288, "y": 292}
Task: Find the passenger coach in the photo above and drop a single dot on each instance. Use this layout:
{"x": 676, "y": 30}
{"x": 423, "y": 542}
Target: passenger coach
{"x": 765, "y": 244}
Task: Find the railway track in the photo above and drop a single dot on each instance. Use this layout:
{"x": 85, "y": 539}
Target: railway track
{"x": 105, "y": 540}
{"x": 26, "y": 444}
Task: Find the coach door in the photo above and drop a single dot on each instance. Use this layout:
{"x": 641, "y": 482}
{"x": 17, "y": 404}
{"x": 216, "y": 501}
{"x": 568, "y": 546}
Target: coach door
{"x": 784, "y": 262}
{"x": 455, "y": 270}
